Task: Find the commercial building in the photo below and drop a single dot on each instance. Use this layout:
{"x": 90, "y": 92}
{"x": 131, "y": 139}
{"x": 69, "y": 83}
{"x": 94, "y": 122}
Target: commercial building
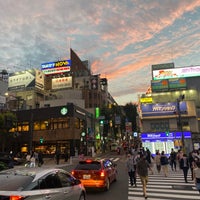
{"x": 37, "y": 96}
{"x": 169, "y": 113}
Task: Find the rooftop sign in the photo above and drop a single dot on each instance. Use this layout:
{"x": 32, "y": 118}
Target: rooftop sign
{"x": 56, "y": 67}
{"x": 176, "y": 73}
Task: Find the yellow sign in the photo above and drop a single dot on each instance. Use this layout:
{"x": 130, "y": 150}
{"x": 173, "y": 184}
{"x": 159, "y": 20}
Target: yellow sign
{"x": 146, "y": 100}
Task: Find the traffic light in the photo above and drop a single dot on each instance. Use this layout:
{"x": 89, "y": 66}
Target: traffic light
{"x": 101, "y": 122}
{"x": 41, "y": 140}
{"x": 167, "y": 133}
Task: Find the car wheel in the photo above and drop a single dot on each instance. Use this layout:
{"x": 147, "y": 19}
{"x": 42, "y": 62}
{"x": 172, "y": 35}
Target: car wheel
{"x": 82, "y": 197}
{"x": 107, "y": 187}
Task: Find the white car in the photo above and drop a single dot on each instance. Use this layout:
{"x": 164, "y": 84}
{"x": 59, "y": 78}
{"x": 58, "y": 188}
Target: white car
{"x": 40, "y": 183}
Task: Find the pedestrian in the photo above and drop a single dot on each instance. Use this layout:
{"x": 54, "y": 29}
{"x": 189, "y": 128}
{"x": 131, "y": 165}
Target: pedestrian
{"x": 142, "y": 170}
{"x": 131, "y": 169}
{"x": 40, "y": 159}
{"x": 179, "y": 156}
{"x": 196, "y": 171}
{"x": 157, "y": 161}
{"x": 164, "y": 163}
{"x": 66, "y": 154}
{"x": 184, "y": 165}
{"x": 148, "y": 156}
{"x": 191, "y": 159}
{"x": 173, "y": 159}
{"x": 57, "y": 156}
{"x": 32, "y": 160}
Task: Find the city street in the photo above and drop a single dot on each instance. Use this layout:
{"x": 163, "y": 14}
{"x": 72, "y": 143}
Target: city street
{"x": 159, "y": 187}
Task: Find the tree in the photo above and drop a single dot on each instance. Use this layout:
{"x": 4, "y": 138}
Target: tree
{"x": 131, "y": 115}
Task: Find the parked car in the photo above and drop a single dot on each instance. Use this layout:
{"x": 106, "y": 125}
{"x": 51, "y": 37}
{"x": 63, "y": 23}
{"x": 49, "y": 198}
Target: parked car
{"x": 97, "y": 174}
{"x": 6, "y": 159}
{"x": 40, "y": 183}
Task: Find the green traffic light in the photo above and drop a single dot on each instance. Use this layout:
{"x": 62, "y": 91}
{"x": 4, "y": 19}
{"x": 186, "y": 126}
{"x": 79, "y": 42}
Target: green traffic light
{"x": 41, "y": 140}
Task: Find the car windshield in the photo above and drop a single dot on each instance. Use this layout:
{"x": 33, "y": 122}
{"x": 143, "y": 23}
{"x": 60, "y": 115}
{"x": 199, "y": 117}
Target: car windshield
{"x": 84, "y": 165}
{"x": 12, "y": 182}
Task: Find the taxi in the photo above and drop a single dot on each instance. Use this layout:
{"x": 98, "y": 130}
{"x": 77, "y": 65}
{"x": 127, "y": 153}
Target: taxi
{"x": 96, "y": 174}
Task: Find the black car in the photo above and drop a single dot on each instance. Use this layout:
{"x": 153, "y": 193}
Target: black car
{"x": 6, "y": 160}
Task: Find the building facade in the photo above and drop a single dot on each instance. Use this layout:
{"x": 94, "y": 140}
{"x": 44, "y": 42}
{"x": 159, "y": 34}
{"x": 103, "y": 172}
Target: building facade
{"x": 169, "y": 114}
{"x": 36, "y": 96}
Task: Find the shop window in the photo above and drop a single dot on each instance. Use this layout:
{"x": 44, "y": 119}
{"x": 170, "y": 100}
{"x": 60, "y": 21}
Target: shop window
{"x": 36, "y": 126}
{"x": 77, "y": 123}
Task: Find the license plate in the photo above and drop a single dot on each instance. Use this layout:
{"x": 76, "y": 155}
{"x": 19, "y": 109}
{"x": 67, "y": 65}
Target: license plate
{"x": 86, "y": 176}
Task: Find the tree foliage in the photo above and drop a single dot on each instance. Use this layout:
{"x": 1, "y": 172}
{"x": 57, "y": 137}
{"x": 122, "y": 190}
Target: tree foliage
{"x": 131, "y": 114}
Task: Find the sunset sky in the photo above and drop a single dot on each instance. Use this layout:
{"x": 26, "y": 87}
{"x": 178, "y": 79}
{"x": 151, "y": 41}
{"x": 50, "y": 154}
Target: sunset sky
{"x": 120, "y": 38}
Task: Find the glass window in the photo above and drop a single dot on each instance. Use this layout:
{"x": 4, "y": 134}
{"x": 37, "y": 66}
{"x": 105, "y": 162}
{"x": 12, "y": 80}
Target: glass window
{"x": 66, "y": 179}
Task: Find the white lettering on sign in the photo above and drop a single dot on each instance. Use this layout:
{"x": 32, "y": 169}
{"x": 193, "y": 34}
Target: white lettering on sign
{"x": 163, "y": 108}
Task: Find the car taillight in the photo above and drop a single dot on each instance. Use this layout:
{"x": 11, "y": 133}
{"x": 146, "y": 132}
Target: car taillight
{"x": 72, "y": 172}
{"x": 102, "y": 173}
{"x": 16, "y": 198}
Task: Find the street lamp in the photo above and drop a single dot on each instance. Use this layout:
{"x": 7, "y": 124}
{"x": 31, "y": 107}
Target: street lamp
{"x": 180, "y": 127}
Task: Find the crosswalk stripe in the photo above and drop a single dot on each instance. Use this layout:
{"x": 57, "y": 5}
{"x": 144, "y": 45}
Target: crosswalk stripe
{"x": 160, "y": 187}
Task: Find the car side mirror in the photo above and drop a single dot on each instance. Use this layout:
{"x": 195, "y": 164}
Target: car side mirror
{"x": 76, "y": 182}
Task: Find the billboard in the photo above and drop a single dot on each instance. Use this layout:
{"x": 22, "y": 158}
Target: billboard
{"x": 183, "y": 72}
{"x": 21, "y": 80}
{"x": 177, "y": 83}
{"x": 56, "y": 67}
{"x": 159, "y": 85}
{"x": 61, "y": 83}
{"x": 39, "y": 79}
{"x": 162, "y": 109}
{"x": 162, "y": 66}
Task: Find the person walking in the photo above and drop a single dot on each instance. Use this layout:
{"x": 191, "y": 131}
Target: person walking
{"x": 131, "y": 169}
{"x": 57, "y": 156}
{"x": 157, "y": 161}
{"x": 142, "y": 170}
{"x": 164, "y": 163}
{"x": 173, "y": 159}
{"x": 196, "y": 175}
{"x": 184, "y": 165}
{"x": 40, "y": 159}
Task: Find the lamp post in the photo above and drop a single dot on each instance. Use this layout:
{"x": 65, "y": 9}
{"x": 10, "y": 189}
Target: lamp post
{"x": 180, "y": 127}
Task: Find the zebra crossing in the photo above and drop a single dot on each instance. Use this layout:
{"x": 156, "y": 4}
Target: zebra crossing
{"x": 114, "y": 159}
{"x": 159, "y": 187}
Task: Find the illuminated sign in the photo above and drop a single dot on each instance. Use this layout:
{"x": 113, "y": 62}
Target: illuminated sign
{"x": 159, "y": 85}
{"x": 56, "y": 67}
{"x": 162, "y": 135}
{"x": 176, "y": 73}
{"x": 146, "y": 100}
{"x": 61, "y": 83}
{"x": 177, "y": 83}
{"x": 161, "y": 109}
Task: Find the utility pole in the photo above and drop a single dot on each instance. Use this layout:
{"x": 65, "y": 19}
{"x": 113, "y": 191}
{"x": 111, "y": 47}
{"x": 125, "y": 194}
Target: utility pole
{"x": 180, "y": 125}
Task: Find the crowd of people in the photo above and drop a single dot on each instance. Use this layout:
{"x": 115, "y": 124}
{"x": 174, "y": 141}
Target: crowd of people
{"x": 140, "y": 162}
